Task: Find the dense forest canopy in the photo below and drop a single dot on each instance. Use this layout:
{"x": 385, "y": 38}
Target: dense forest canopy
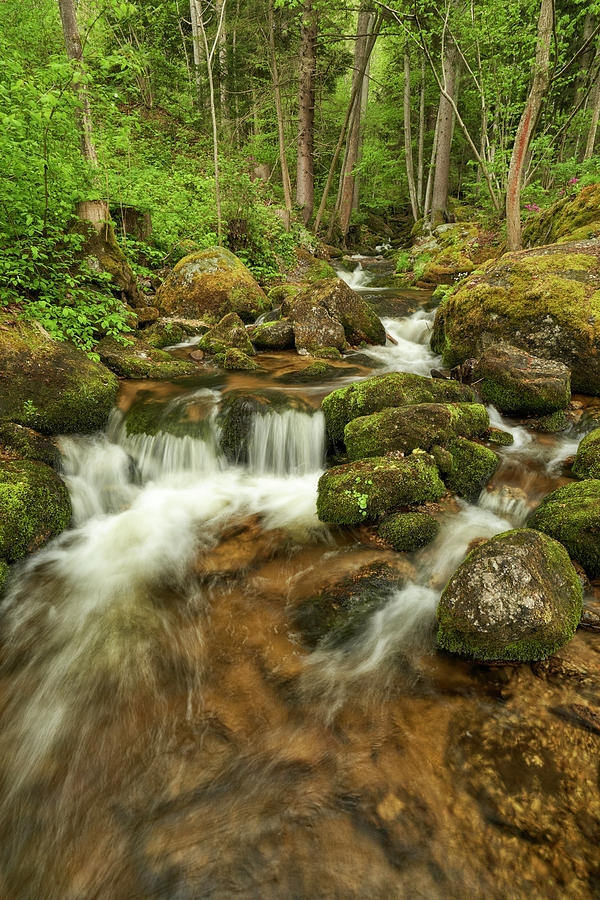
{"x": 315, "y": 117}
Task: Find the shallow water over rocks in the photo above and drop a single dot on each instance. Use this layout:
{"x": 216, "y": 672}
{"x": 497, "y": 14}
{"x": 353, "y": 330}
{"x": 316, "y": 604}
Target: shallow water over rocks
{"x": 168, "y": 731}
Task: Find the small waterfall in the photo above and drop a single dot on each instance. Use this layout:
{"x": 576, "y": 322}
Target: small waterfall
{"x": 359, "y": 280}
{"x": 289, "y": 442}
{"x": 411, "y": 352}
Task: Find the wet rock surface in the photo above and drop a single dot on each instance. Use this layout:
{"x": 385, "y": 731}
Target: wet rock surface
{"x": 515, "y": 597}
{"x": 515, "y": 382}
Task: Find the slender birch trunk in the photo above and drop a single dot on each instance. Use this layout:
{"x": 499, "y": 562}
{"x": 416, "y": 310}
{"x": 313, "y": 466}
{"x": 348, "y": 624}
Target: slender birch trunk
{"x": 529, "y": 118}
{"x": 408, "y": 151}
{"x": 441, "y": 182}
{"x": 305, "y": 164}
{"x": 285, "y": 175}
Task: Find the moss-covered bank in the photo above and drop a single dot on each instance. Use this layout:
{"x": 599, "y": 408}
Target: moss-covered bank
{"x": 34, "y": 507}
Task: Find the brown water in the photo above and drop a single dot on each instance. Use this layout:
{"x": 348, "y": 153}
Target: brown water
{"x": 169, "y": 730}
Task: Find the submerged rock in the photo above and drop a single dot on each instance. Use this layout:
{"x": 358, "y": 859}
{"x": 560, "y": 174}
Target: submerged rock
{"x": 408, "y": 531}
{"x": 383, "y": 391}
{"x": 587, "y": 458}
{"x": 140, "y": 360}
{"x": 515, "y": 597}
{"x": 339, "y": 613}
{"x": 237, "y": 361}
{"x": 365, "y": 491}
{"x": 229, "y": 332}
{"x": 408, "y": 428}
{"x": 571, "y": 514}
{"x": 516, "y": 382}
{"x": 208, "y": 285}
{"x": 545, "y": 301}
{"x": 49, "y": 385}
{"x": 35, "y": 507}
{"x": 472, "y": 467}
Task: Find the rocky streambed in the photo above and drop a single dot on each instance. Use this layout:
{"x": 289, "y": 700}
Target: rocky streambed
{"x": 225, "y": 679}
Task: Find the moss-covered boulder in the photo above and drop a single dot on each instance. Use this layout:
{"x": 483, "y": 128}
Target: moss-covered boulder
{"x": 4, "y": 570}
{"x": 237, "y": 361}
{"x": 515, "y": 597}
{"x": 516, "y": 382}
{"x": 448, "y": 251}
{"x": 24, "y": 443}
{"x": 553, "y": 423}
{"x": 365, "y": 491}
{"x": 499, "y": 437}
{"x": 101, "y": 252}
{"x": 230, "y": 332}
{"x": 408, "y": 531}
{"x": 573, "y": 218}
{"x": 587, "y": 458}
{"x": 273, "y": 335}
{"x": 383, "y": 391}
{"x": 472, "y": 467}
{"x": 310, "y": 269}
{"x": 188, "y": 415}
{"x": 314, "y": 328}
{"x": 340, "y": 612}
{"x": 571, "y": 514}
{"x": 545, "y": 301}
{"x": 164, "y": 333}
{"x": 34, "y": 507}
{"x": 359, "y": 320}
{"x": 48, "y": 385}
{"x": 208, "y": 285}
{"x": 139, "y": 360}
{"x": 407, "y": 428}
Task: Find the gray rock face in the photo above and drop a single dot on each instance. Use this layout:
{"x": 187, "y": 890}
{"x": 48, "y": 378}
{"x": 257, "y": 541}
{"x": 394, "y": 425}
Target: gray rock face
{"x": 517, "y": 382}
{"x": 515, "y": 597}
{"x": 273, "y": 335}
{"x": 315, "y": 328}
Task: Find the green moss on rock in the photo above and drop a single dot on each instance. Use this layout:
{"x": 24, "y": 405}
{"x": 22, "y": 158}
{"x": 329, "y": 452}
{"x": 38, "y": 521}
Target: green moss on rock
{"x": 515, "y": 597}
{"x": 587, "y": 458}
{"x": 237, "y": 360}
{"x": 208, "y": 285}
{"x": 497, "y": 436}
{"x": 410, "y": 427}
{"x": 516, "y": 382}
{"x": 51, "y": 386}
{"x": 382, "y": 391}
{"x": 365, "y": 491}
{"x": 551, "y": 424}
{"x": 277, "y": 335}
{"x": 4, "y": 570}
{"x": 574, "y": 218}
{"x": 473, "y": 467}
{"x": 408, "y": 531}
{"x": 164, "y": 333}
{"x": 545, "y": 301}
{"x": 360, "y": 322}
{"x": 229, "y": 332}
{"x": 139, "y": 360}
{"x": 34, "y": 507}
{"x": 24, "y": 443}
{"x": 571, "y": 515}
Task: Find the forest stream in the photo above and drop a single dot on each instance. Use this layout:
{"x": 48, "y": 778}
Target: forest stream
{"x": 175, "y": 726}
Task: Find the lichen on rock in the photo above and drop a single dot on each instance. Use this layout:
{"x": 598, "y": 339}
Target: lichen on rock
{"x": 208, "y": 285}
{"x": 515, "y": 597}
{"x": 366, "y": 490}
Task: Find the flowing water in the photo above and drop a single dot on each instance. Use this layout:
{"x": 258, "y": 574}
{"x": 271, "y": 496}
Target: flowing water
{"x": 169, "y": 732}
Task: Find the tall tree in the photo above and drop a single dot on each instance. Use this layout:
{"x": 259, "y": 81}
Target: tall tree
{"x": 528, "y": 122}
{"x": 305, "y": 166}
{"x": 95, "y": 210}
{"x": 285, "y": 174}
{"x": 445, "y": 131}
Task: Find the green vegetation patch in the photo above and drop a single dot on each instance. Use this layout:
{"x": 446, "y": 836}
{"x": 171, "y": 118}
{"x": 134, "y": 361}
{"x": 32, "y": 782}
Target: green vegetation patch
{"x": 34, "y": 507}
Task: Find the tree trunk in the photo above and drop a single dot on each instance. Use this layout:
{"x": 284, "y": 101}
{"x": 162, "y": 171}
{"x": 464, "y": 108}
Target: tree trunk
{"x": 197, "y": 50}
{"x": 285, "y": 175}
{"x": 421, "y": 151}
{"x": 593, "y": 129}
{"x": 408, "y": 151}
{"x": 209, "y": 53}
{"x": 528, "y": 121}
{"x": 430, "y": 174}
{"x": 441, "y": 182}
{"x": 354, "y": 98}
{"x": 305, "y": 181}
{"x": 364, "y": 103}
{"x": 346, "y": 199}
{"x": 222, "y": 54}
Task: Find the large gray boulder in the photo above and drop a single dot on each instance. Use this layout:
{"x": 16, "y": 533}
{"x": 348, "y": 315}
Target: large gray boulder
{"x": 516, "y": 382}
{"x": 515, "y": 597}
